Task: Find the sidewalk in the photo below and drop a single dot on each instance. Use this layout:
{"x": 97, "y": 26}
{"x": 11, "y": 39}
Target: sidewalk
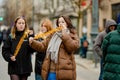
{"x": 87, "y": 64}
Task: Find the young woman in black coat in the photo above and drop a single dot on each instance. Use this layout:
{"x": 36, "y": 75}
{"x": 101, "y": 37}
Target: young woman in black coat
{"x": 45, "y": 26}
{"x": 20, "y": 65}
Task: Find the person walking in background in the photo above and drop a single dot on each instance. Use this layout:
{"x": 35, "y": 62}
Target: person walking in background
{"x": 4, "y": 35}
{"x": 84, "y": 47}
{"x": 111, "y": 55}
{"x": 45, "y": 26}
{"x": 59, "y": 63}
{"x": 1, "y": 37}
{"x": 32, "y": 32}
{"x": 109, "y": 26}
{"x": 18, "y": 57}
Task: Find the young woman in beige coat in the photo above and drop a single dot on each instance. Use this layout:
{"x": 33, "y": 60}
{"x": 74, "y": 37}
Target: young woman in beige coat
{"x": 59, "y": 63}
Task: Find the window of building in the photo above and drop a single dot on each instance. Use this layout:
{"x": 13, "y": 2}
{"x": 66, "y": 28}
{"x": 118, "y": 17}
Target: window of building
{"x": 116, "y": 12}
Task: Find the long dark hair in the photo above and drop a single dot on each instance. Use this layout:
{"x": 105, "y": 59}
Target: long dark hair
{"x": 67, "y": 20}
{"x": 69, "y": 24}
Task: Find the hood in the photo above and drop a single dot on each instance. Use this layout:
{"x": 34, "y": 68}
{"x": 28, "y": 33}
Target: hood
{"x": 108, "y": 24}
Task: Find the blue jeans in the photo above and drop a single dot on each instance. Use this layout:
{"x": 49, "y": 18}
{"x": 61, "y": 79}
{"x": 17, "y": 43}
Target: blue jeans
{"x": 101, "y": 70}
{"x": 38, "y": 77}
{"x": 84, "y": 52}
{"x": 52, "y": 76}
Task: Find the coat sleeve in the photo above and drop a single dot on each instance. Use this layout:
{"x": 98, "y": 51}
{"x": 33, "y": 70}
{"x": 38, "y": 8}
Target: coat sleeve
{"x": 97, "y": 45}
{"x": 105, "y": 45}
{"x": 40, "y": 46}
{"x": 6, "y": 50}
{"x": 71, "y": 42}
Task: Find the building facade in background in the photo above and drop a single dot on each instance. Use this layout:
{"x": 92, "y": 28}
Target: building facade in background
{"x": 80, "y": 12}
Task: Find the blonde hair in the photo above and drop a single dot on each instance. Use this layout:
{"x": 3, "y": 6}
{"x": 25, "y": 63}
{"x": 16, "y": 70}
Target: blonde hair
{"x": 14, "y": 29}
{"x": 47, "y": 23}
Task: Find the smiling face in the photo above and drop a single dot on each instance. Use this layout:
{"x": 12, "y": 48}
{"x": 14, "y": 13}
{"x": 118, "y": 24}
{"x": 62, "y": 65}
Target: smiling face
{"x": 20, "y": 25}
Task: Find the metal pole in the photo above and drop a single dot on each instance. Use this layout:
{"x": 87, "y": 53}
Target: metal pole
{"x": 33, "y": 15}
{"x": 95, "y": 16}
{"x": 95, "y": 19}
{"x": 95, "y": 22}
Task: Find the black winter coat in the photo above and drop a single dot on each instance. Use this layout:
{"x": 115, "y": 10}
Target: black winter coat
{"x": 39, "y": 61}
{"x": 23, "y": 64}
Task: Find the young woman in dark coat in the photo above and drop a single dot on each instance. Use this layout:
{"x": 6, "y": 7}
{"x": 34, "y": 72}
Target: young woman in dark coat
{"x": 45, "y": 26}
{"x": 19, "y": 66}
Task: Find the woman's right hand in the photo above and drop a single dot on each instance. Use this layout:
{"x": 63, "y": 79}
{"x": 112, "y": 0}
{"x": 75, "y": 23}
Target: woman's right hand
{"x": 13, "y": 58}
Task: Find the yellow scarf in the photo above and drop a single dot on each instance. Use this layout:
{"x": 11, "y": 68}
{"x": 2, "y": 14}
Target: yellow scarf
{"x": 20, "y": 43}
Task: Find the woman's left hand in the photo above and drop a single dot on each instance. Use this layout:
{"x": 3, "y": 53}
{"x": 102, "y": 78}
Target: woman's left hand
{"x": 31, "y": 39}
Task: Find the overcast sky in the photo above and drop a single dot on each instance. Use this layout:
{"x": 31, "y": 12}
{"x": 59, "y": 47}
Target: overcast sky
{"x": 1, "y": 1}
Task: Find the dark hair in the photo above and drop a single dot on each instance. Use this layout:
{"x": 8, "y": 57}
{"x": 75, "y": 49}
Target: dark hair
{"x": 67, "y": 20}
{"x": 31, "y": 28}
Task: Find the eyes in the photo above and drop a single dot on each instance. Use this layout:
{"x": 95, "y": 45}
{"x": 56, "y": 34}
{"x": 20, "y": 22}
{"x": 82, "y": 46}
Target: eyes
{"x": 21, "y": 23}
{"x": 61, "y": 22}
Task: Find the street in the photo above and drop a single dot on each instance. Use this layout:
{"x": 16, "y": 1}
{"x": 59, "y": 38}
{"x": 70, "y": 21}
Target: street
{"x": 83, "y": 73}
{"x": 86, "y": 69}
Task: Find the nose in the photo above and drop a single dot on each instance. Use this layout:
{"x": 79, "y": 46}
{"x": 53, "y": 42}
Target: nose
{"x": 60, "y": 24}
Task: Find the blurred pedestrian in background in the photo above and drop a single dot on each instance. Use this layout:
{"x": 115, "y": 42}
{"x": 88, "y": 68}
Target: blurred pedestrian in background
{"x": 19, "y": 64}
{"x": 84, "y": 47}
{"x": 4, "y": 35}
{"x": 109, "y": 26}
{"x": 45, "y": 26}
{"x": 59, "y": 63}
{"x": 1, "y": 38}
{"x": 31, "y": 30}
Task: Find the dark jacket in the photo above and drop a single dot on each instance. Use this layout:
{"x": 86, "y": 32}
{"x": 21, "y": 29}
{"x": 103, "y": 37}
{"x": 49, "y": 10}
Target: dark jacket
{"x": 39, "y": 61}
{"x": 23, "y": 64}
{"x": 1, "y": 37}
{"x": 111, "y": 55}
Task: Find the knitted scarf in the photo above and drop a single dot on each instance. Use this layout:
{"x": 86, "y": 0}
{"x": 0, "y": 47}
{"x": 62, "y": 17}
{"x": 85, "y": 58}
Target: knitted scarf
{"x": 53, "y": 47}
